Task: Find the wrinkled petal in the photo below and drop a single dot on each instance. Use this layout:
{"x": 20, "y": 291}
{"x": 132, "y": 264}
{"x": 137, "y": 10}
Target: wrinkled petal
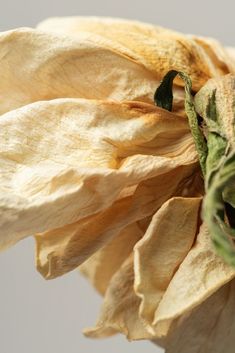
{"x": 208, "y": 328}
{"x": 67, "y": 159}
{"x": 41, "y": 66}
{"x": 119, "y": 312}
{"x": 231, "y": 53}
{"x": 200, "y": 275}
{"x": 159, "y": 253}
{"x": 217, "y": 53}
{"x": 100, "y": 267}
{"x": 158, "y": 49}
{"x": 61, "y": 250}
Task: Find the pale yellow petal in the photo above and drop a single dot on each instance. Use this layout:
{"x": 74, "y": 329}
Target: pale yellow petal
{"x": 61, "y": 250}
{"x": 200, "y": 275}
{"x": 64, "y": 160}
{"x": 159, "y": 253}
{"x": 100, "y": 267}
{"x": 158, "y": 49}
{"x": 218, "y": 54}
{"x": 231, "y": 53}
{"x": 41, "y": 66}
{"x": 208, "y": 328}
{"x": 119, "y": 312}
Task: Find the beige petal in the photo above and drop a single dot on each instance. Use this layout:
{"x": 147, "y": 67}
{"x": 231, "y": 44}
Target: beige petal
{"x": 61, "y": 250}
{"x": 208, "y": 328}
{"x": 100, "y": 267}
{"x": 231, "y": 53}
{"x": 119, "y": 312}
{"x": 159, "y": 253}
{"x": 41, "y": 66}
{"x": 217, "y": 53}
{"x": 200, "y": 275}
{"x": 158, "y": 49}
{"x": 64, "y": 160}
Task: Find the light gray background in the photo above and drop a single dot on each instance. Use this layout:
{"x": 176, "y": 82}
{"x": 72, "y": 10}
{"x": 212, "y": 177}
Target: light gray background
{"x": 37, "y": 316}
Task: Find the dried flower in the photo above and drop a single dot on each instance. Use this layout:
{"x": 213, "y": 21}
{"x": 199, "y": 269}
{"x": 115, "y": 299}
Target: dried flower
{"x": 111, "y": 183}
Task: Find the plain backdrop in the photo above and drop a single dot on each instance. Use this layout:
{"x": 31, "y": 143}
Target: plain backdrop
{"x": 38, "y": 316}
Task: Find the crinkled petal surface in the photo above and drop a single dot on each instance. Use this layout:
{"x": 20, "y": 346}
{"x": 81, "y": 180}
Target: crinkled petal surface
{"x": 157, "y": 49}
{"x": 119, "y": 312}
{"x": 41, "y": 66}
{"x": 100, "y": 267}
{"x": 165, "y": 244}
{"x": 231, "y": 52}
{"x": 67, "y": 159}
{"x": 200, "y": 275}
{"x": 208, "y": 328}
{"x": 61, "y": 250}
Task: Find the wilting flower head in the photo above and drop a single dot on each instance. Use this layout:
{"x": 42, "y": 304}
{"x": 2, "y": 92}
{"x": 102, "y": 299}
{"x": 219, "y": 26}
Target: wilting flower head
{"x": 108, "y": 181}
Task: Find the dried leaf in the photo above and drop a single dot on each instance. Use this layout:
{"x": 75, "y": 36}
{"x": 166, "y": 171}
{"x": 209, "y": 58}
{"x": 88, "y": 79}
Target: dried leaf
{"x": 163, "y": 98}
{"x": 215, "y": 102}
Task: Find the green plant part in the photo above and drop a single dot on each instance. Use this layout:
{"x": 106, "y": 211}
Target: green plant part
{"x": 163, "y": 98}
{"x": 215, "y": 104}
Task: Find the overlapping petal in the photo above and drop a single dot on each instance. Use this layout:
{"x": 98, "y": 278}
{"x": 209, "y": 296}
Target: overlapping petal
{"x": 208, "y": 328}
{"x": 164, "y": 246}
{"x": 157, "y": 49}
{"x": 41, "y": 66}
{"x": 68, "y": 159}
{"x": 119, "y": 312}
{"x": 200, "y": 275}
{"x": 100, "y": 267}
{"x": 107, "y": 181}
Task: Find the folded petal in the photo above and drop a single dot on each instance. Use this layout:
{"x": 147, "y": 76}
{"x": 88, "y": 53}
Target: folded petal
{"x": 164, "y": 246}
{"x": 200, "y": 275}
{"x": 158, "y": 49}
{"x": 119, "y": 312}
{"x": 218, "y": 54}
{"x": 67, "y": 159}
{"x": 208, "y": 328}
{"x": 100, "y": 267}
{"x": 40, "y": 66}
{"x": 46, "y": 185}
{"x": 61, "y": 250}
{"x": 231, "y": 53}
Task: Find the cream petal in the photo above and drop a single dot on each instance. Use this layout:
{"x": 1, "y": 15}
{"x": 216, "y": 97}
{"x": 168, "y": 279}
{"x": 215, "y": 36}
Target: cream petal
{"x": 61, "y": 250}
{"x": 218, "y": 54}
{"x": 231, "y": 53}
{"x": 159, "y": 253}
{"x": 46, "y": 184}
{"x": 100, "y": 267}
{"x": 158, "y": 49}
{"x": 40, "y": 66}
{"x": 119, "y": 312}
{"x": 208, "y": 328}
{"x": 200, "y": 275}
{"x": 67, "y": 159}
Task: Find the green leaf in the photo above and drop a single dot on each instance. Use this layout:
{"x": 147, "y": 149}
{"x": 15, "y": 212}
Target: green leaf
{"x": 215, "y": 104}
{"x": 163, "y": 98}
